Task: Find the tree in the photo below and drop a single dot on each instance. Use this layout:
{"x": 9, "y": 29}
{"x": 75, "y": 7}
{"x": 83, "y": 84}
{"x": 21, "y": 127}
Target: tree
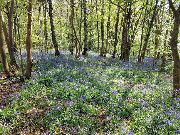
{"x": 108, "y": 28}
{"x": 116, "y": 31}
{"x": 9, "y": 33}
{"x": 45, "y": 25}
{"x": 29, "y": 41}
{"x": 71, "y": 20}
{"x": 2, "y": 50}
{"x": 141, "y": 57}
{"x": 85, "y": 29}
{"x": 125, "y": 45}
{"x": 102, "y": 51}
{"x": 53, "y": 34}
{"x": 173, "y": 43}
{"x": 97, "y": 25}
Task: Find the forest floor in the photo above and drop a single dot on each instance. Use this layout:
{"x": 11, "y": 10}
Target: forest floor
{"x": 91, "y": 95}
{"x": 9, "y": 87}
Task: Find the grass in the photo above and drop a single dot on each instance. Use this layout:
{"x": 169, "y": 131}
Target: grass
{"x": 92, "y": 95}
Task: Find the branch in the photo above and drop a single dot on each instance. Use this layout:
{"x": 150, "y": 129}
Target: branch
{"x": 172, "y": 6}
{"x": 118, "y": 5}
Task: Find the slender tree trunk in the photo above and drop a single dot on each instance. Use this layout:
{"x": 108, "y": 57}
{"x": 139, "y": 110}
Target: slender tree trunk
{"x": 116, "y": 31}
{"x": 71, "y": 20}
{"x": 15, "y": 33}
{"x": 45, "y": 26}
{"x": 20, "y": 46}
{"x": 53, "y": 34}
{"x": 41, "y": 35}
{"x": 108, "y": 28}
{"x": 6, "y": 35}
{"x": 80, "y": 27}
{"x": 149, "y": 32}
{"x": 85, "y": 29}
{"x": 74, "y": 39}
{"x": 2, "y": 50}
{"x": 164, "y": 52}
{"x": 29, "y": 41}
{"x": 173, "y": 43}
{"x": 10, "y": 29}
{"x": 9, "y": 35}
{"x": 10, "y": 24}
{"x": 142, "y": 32}
{"x": 102, "y": 29}
{"x": 158, "y": 33}
{"x": 97, "y": 25}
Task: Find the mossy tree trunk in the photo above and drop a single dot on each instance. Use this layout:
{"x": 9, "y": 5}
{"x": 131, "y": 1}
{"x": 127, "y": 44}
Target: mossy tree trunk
{"x": 2, "y": 50}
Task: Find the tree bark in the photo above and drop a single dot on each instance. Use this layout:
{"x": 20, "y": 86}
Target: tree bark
{"x": 173, "y": 43}
{"x": 85, "y": 29}
{"x": 2, "y": 50}
{"x": 80, "y": 27}
{"x": 9, "y": 36}
{"x": 71, "y": 20}
{"x": 97, "y": 25}
{"x": 29, "y": 41}
{"x": 148, "y": 32}
{"x": 45, "y": 26}
{"x": 164, "y": 53}
{"x": 142, "y": 32}
{"x": 116, "y": 31}
{"x": 102, "y": 29}
{"x": 53, "y": 34}
{"x": 126, "y": 46}
{"x": 108, "y": 28}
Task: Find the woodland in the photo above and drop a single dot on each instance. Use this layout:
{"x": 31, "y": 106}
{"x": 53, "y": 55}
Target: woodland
{"x": 82, "y": 67}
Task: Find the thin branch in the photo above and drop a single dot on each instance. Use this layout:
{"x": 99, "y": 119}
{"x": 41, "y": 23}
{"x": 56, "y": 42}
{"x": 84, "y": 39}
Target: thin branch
{"x": 118, "y": 5}
{"x": 172, "y": 6}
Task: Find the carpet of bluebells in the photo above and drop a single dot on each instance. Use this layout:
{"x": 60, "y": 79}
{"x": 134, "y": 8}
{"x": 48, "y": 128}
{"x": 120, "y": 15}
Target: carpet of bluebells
{"x": 93, "y": 95}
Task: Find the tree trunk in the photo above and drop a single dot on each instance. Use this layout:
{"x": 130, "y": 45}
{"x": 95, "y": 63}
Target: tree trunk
{"x": 80, "y": 27}
{"x": 53, "y": 34}
{"x": 142, "y": 32}
{"x": 45, "y": 26}
{"x": 102, "y": 29}
{"x": 108, "y": 28}
{"x": 125, "y": 46}
{"x": 164, "y": 53}
{"x": 148, "y": 32}
{"x": 175, "y": 54}
{"x": 85, "y": 29}
{"x": 116, "y": 31}
{"x": 29, "y": 41}
{"x": 10, "y": 29}
{"x": 2, "y": 50}
{"x": 97, "y": 25}
{"x": 158, "y": 33}
{"x": 9, "y": 35}
{"x": 71, "y": 20}
{"x": 20, "y": 45}
{"x": 173, "y": 43}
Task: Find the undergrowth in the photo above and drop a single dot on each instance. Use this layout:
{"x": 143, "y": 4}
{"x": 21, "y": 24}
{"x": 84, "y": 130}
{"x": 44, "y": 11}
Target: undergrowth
{"x": 92, "y": 95}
